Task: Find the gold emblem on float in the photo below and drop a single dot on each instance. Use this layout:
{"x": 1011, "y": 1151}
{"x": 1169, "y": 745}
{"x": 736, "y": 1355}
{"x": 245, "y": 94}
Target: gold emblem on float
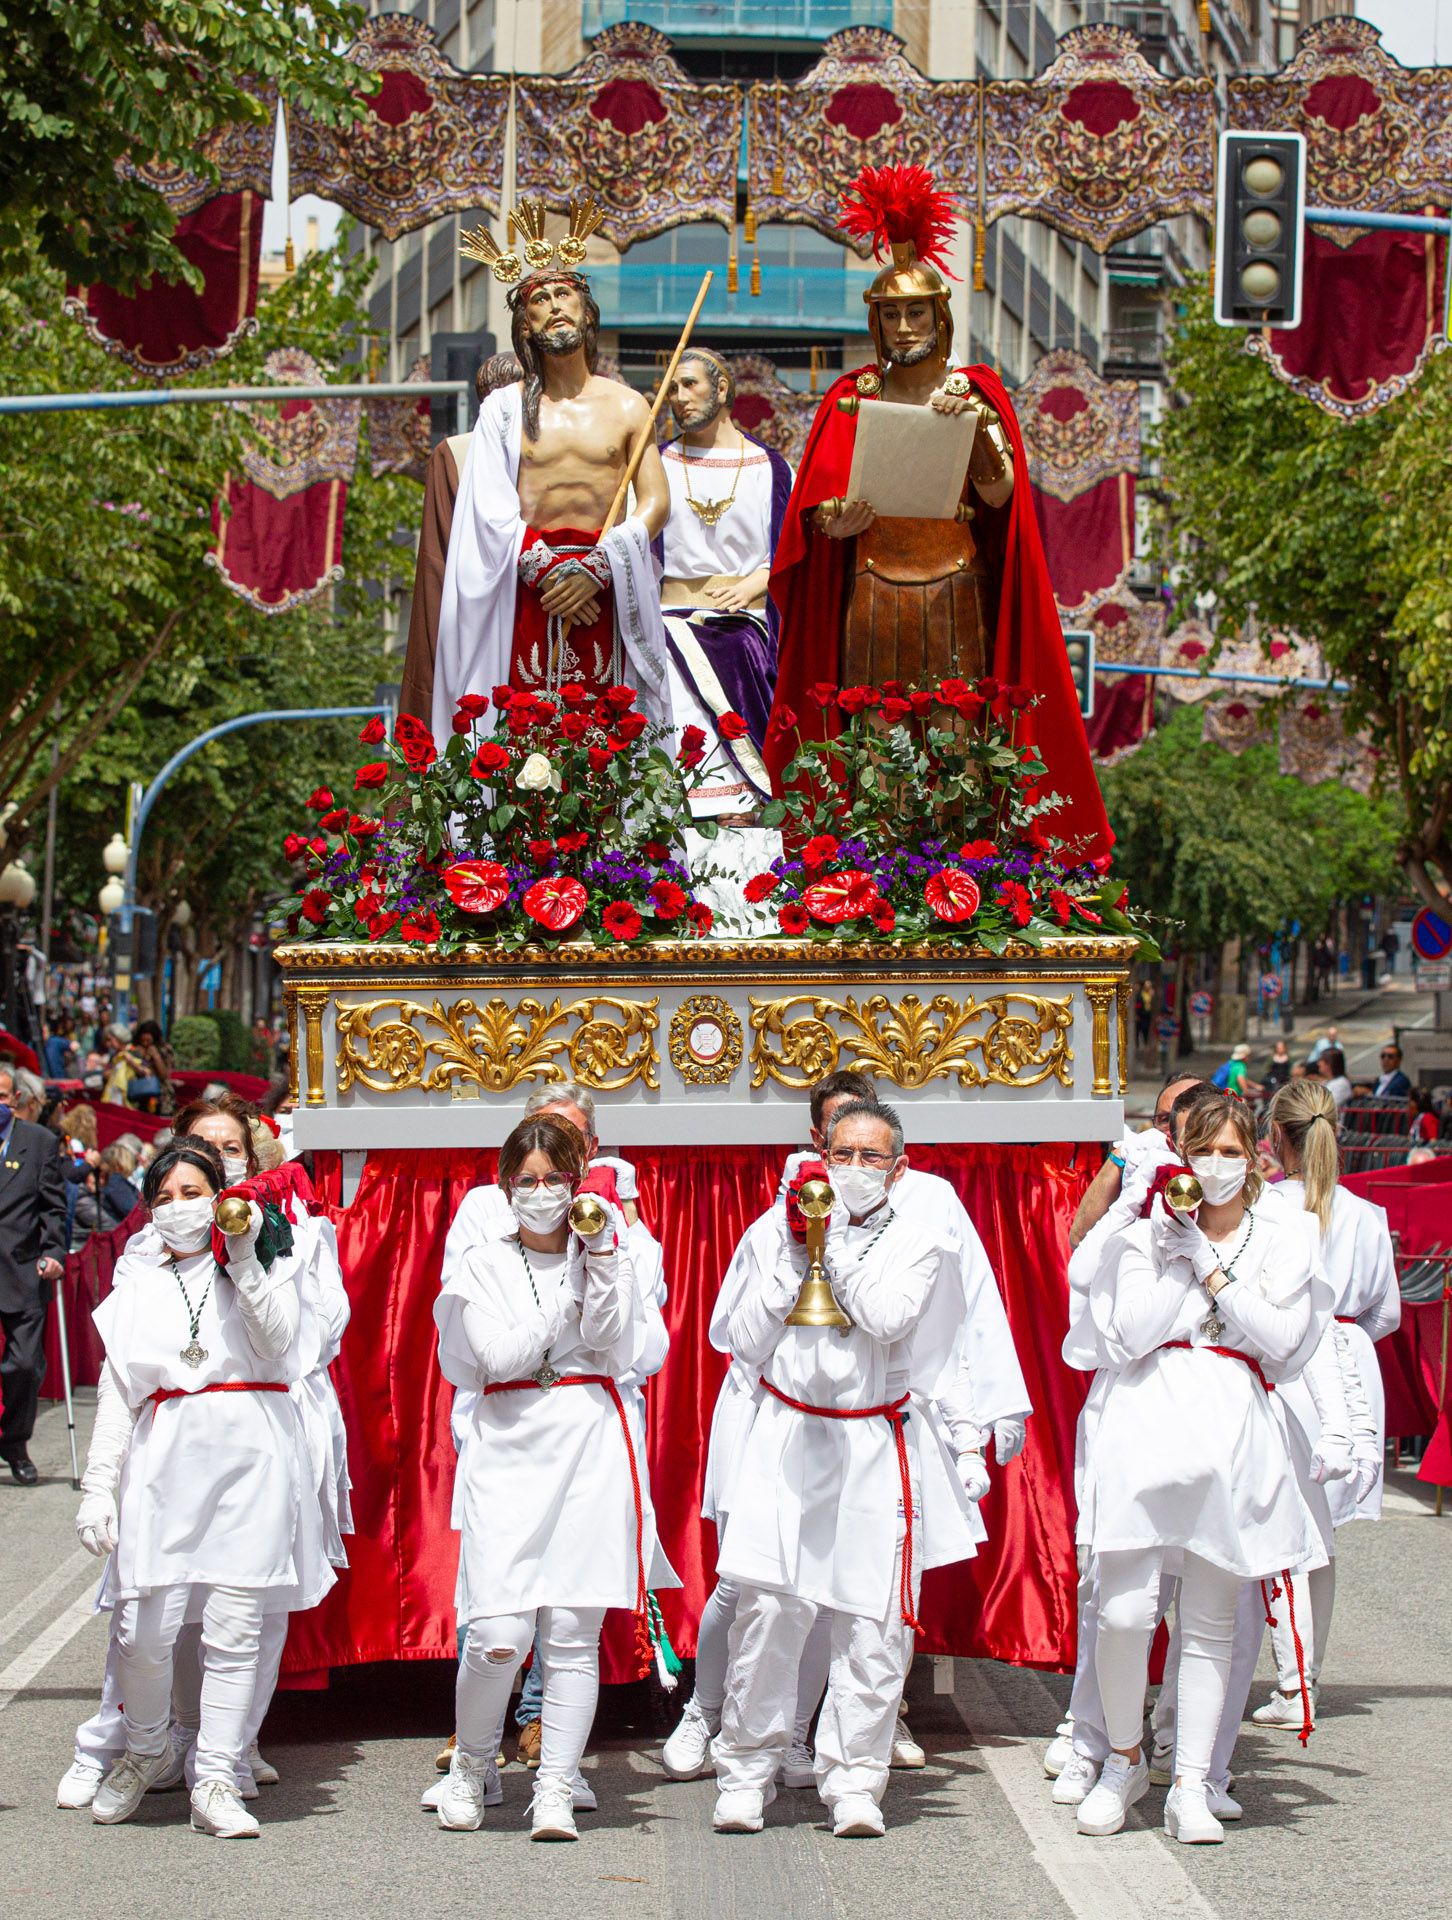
{"x": 705, "y": 1040}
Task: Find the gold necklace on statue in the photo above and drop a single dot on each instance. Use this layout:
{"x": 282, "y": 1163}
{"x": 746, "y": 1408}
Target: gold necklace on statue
{"x": 708, "y": 512}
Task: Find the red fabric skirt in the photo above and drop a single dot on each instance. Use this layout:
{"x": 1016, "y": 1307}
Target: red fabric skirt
{"x": 587, "y": 650}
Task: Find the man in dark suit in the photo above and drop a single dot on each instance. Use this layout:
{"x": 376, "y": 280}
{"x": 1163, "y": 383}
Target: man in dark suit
{"x": 1392, "y": 1083}
{"x": 32, "y": 1241}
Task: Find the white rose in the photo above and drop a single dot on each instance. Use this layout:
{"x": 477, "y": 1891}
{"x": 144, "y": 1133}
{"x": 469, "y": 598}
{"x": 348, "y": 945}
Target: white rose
{"x": 536, "y": 774}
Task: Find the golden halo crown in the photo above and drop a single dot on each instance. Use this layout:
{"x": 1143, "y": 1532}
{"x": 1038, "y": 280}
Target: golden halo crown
{"x": 528, "y": 216}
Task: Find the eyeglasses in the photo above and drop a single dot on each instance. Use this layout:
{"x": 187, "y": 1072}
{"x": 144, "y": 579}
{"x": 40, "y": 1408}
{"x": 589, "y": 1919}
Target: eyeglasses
{"x": 550, "y": 1182}
{"x": 859, "y": 1157}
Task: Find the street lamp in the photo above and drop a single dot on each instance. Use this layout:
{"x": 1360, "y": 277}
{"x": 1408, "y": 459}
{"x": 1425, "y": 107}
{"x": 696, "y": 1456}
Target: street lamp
{"x": 111, "y": 896}
{"x": 181, "y": 914}
{"x": 115, "y": 854}
{"x": 17, "y": 886}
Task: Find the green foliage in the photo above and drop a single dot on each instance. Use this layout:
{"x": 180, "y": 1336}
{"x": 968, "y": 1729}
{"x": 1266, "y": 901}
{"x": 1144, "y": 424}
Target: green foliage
{"x": 88, "y": 85}
{"x": 1216, "y": 845}
{"x": 1336, "y": 530}
{"x": 237, "y": 1053}
{"x": 197, "y": 1043}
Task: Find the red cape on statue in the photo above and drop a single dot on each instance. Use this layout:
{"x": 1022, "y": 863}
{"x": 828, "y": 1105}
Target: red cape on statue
{"x": 810, "y": 577}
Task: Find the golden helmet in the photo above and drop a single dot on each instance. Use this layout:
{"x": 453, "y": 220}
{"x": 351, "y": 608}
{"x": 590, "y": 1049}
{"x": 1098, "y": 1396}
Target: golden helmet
{"x": 903, "y": 213}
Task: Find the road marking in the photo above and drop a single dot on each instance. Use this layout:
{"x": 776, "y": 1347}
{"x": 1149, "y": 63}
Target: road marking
{"x": 59, "y": 1582}
{"x": 1133, "y": 1876}
{"x": 28, "y": 1665}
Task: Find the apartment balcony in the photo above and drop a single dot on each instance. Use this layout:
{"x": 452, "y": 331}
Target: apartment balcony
{"x": 1134, "y": 353}
{"x": 1140, "y": 261}
{"x": 798, "y": 299}
{"x": 687, "y": 20}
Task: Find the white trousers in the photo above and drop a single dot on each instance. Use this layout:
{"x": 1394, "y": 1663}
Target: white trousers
{"x": 146, "y": 1637}
{"x": 494, "y": 1651}
{"x": 101, "y": 1740}
{"x": 1129, "y": 1599}
{"x": 711, "y": 1656}
{"x": 1314, "y": 1598}
{"x": 1090, "y": 1738}
{"x": 269, "y": 1665}
{"x": 867, "y": 1665}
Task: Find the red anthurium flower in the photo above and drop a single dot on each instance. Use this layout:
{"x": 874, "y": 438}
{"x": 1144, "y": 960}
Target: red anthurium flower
{"x": 1103, "y": 863}
{"x": 621, "y": 921}
{"x": 701, "y": 918}
{"x": 842, "y": 896}
{"x": 420, "y": 925}
{"x": 320, "y": 800}
{"x": 540, "y": 851}
{"x": 361, "y": 827}
{"x": 1015, "y": 901}
{"x": 620, "y": 697}
{"x": 731, "y": 726}
{"x": 476, "y": 886}
{"x": 818, "y": 850}
{"x": 555, "y": 903}
{"x": 1122, "y": 902}
{"x": 670, "y": 900}
{"x": 375, "y": 774}
{"x": 334, "y": 821}
{"x": 978, "y": 850}
{"x": 374, "y": 734}
{"x": 791, "y": 918}
{"x": 489, "y": 758}
{"x": 952, "y": 895}
{"x": 1095, "y": 919}
{"x": 822, "y": 694}
{"x": 294, "y": 847}
{"x": 472, "y": 704}
{"x": 572, "y": 842}
{"x": 315, "y": 904}
{"x": 759, "y": 886}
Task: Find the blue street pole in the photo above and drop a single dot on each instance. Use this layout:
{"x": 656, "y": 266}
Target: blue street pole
{"x": 121, "y": 1011}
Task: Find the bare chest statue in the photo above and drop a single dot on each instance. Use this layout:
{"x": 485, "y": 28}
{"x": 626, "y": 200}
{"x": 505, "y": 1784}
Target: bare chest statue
{"x": 568, "y": 477}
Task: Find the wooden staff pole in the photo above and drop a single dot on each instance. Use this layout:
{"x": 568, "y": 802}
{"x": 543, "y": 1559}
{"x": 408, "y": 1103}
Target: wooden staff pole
{"x": 647, "y": 438}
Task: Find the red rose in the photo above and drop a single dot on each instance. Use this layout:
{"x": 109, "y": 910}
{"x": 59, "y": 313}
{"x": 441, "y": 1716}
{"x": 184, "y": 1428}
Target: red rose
{"x": 818, "y": 850}
{"x": 420, "y": 925}
{"x": 885, "y": 918}
{"x": 785, "y": 717}
{"x": 630, "y": 726}
{"x": 620, "y": 697}
{"x": 574, "y": 726}
{"x": 731, "y": 726}
{"x": 318, "y": 846}
{"x": 556, "y": 903}
{"x": 952, "y": 895}
{"x": 294, "y": 847}
{"x": 759, "y": 886}
{"x": 692, "y": 741}
{"x": 791, "y": 918}
{"x": 409, "y": 731}
{"x": 600, "y": 758}
{"x": 620, "y": 920}
{"x": 375, "y": 774}
{"x": 656, "y": 850}
{"x": 989, "y": 689}
{"x": 320, "y": 800}
{"x": 670, "y": 900}
{"x": 335, "y": 821}
{"x": 855, "y": 699}
{"x": 381, "y": 925}
{"x": 504, "y": 698}
{"x": 489, "y": 758}
{"x": 1015, "y": 901}
{"x": 573, "y": 694}
{"x": 701, "y": 918}
{"x": 540, "y": 851}
{"x": 950, "y": 692}
{"x": 521, "y": 719}
{"x": 895, "y": 709}
{"x": 315, "y": 904}
{"x": 419, "y": 755}
{"x": 690, "y": 761}
{"x": 842, "y": 896}
{"x": 476, "y": 886}
{"x": 461, "y": 723}
{"x": 362, "y": 828}
{"x": 545, "y": 709}
{"x": 822, "y": 694}
{"x": 374, "y": 734}
{"x": 978, "y": 850}
{"x": 572, "y": 842}
{"x": 472, "y": 704}
{"x": 920, "y": 702}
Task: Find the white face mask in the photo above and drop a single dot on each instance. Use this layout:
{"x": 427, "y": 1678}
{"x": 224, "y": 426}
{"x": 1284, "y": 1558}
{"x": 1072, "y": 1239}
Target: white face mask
{"x": 234, "y": 1165}
{"x": 540, "y": 1211}
{"x": 860, "y": 1189}
{"x": 1221, "y": 1175}
{"x": 185, "y": 1225}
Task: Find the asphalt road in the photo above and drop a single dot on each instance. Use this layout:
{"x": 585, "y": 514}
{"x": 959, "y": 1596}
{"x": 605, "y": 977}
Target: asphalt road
{"x": 1357, "y": 1825}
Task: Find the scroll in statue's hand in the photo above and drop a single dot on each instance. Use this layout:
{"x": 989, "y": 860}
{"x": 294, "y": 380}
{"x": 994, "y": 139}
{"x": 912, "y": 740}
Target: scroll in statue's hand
{"x": 847, "y": 521}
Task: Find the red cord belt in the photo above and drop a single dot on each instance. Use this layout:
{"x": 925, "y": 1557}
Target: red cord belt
{"x": 642, "y": 1599}
{"x": 1227, "y": 1353}
{"x": 892, "y": 1412}
{"x": 1347, "y": 1320}
{"x": 218, "y": 1386}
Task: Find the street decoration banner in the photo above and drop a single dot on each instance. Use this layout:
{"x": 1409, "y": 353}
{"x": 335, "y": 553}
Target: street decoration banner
{"x": 432, "y": 142}
{"x": 766, "y": 407}
{"x": 235, "y": 158}
{"x": 631, "y": 128}
{"x": 1127, "y": 631}
{"x": 1315, "y": 746}
{"x": 1190, "y": 646}
{"x": 400, "y": 434}
{"x": 279, "y": 524}
{"x": 1378, "y": 140}
{"x": 1082, "y": 435}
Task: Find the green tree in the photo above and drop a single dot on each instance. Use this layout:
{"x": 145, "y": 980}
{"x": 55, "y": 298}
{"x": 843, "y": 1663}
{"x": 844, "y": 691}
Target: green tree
{"x": 89, "y": 85}
{"x": 1337, "y": 530}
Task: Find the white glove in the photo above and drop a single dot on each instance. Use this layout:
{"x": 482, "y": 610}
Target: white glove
{"x": 96, "y": 1523}
{"x": 1330, "y": 1462}
{"x": 1167, "y": 1243}
{"x": 243, "y": 1246}
{"x": 789, "y": 1171}
{"x": 1367, "y": 1474}
{"x": 1008, "y": 1439}
{"x": 603, "y": 1240}
{"x": 973, "y": 1472}
{"x": 624, "y": 1172}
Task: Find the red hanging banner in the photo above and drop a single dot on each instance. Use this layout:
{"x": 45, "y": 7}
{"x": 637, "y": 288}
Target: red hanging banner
{"x": 1082, "y": 436}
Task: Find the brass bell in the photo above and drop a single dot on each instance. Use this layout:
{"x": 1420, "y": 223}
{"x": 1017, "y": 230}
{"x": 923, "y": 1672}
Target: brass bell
{"x": 1183, "y": 1193}
{"x": 233, "y": 1215}
{"x": 816, "y": 1303}
{"x": 587, "y": 1215}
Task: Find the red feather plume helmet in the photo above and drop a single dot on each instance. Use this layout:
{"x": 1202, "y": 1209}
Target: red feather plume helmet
{"x": 903, "y": 212}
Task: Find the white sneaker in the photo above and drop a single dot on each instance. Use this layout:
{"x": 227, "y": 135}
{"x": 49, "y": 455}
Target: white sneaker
{"x": 179, "y": 1744}
{"x": 1285, "y": 1710}
{"x": 552, "y": 1812}
{"x": 263, "y": 1771}
{"x": 79, "y": 1783}
{"x": 857, "y": 1816}
{"x": 582, "y": 1794}
{"x": 799, "y": 1769}
{"x": 217, "y": 1809}
{"x": 1220, "y": 1803}
{"x": 1121, "y": 1783}
{"x": 907, "y": 1755}
{"x": 1162, "y": 1766}
{"x": 127, "y": 1784}
{"x": 247, "y": 1786}
{"x": 1188, "y": 1818}
{"x": 467, "y": 1789}
{"x": 1077, "y": 1780}
{"x": 687, "y": 1754}
{"x": 740, "y": 1810}
{"x": 430, "y": 1797}
{"x": 1057, "y": 1753}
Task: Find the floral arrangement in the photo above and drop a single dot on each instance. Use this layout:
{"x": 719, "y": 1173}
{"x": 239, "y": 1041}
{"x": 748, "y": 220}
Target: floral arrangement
{"x": 923, "y": 816}
{"x": 560, "y": 819}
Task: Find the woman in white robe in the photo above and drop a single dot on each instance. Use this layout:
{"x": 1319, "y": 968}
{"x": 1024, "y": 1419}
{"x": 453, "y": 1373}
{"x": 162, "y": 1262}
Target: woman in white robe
{"x": 196, "y": 1479}
{"x": 541, "y": 1321}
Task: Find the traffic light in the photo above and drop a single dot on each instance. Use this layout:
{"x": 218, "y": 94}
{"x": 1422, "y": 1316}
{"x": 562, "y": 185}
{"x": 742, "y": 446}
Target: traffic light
{"x": 1260, "y": 213}
{"x": 1079, "y": 645}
